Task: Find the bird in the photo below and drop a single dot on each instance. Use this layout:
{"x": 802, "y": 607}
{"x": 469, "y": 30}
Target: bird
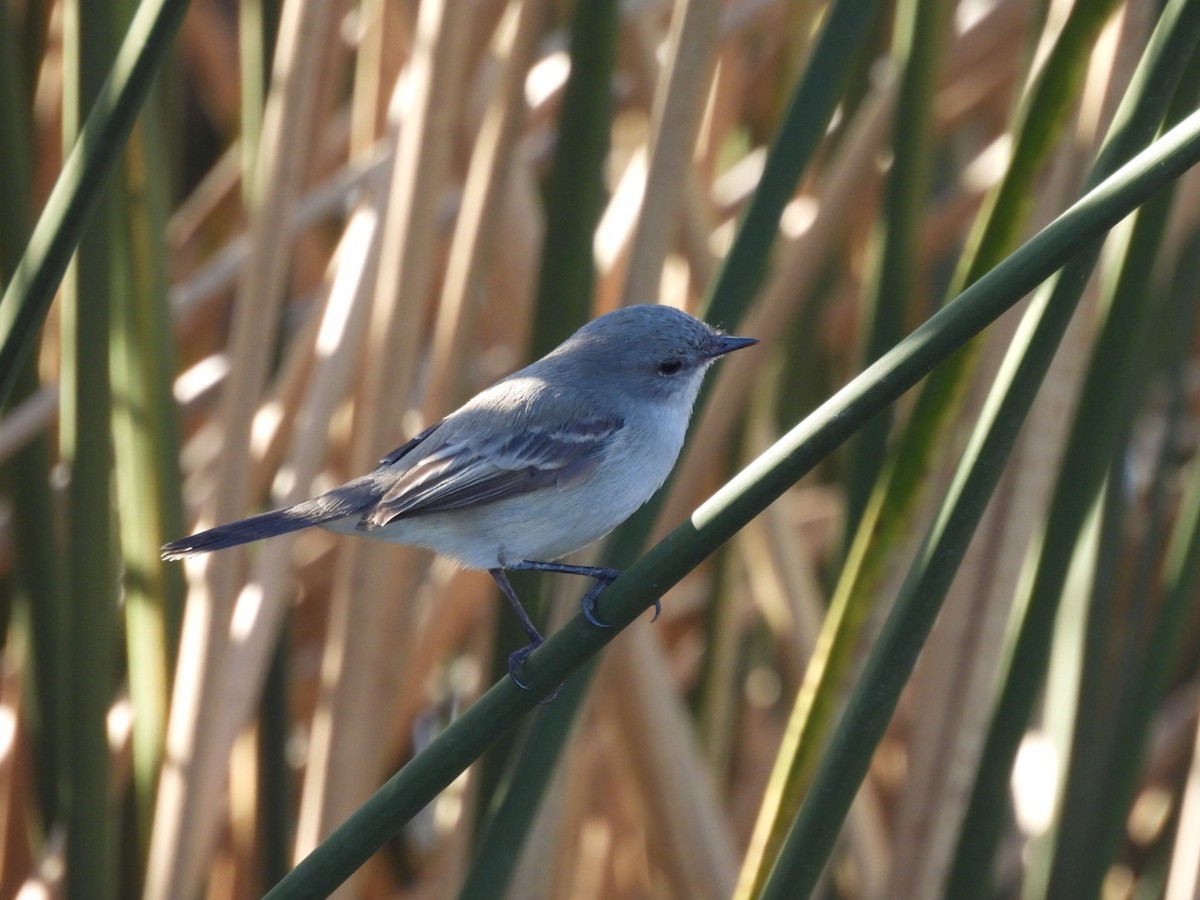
{"x": 543, "y": 463}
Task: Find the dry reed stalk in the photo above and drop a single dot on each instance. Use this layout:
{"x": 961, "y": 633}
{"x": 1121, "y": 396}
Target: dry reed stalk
{"x": 577, "y": 865}
{"x": 696, "y": 225}
{"x": 216, "y": 190}
{"x": 277, "y": 412}
{"x": 992, "y": 43}
{"x": 513, "y": 273}
{"x": 192, "y": 298}
{"x": 679, "y": 94}
{"x": 371, "y": 611}
{"x": 725, "y": 97}
{"x": 456, "y": 605}
{"x": 334, "y": 348}
{"x": 785, "y": 586}
{"x": 17, "y": 782}
{"x": 695, "y": 106}
{"x": 662, "y": 199}
{"x": 611, "y": 242}
{"x": 1183, "y": 882}
{"x": 383, "y": 51}
{"x": 675, "y": 784}
{"x": 475, "y": 236}
{"x": 187, "y": 800}
{"x": 240, "y": 844}
{"x": 201, "y": 287}
{"x": 208, "y": 45}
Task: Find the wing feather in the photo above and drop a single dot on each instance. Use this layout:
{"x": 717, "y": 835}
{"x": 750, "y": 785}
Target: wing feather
{"x": 466, "y": 472}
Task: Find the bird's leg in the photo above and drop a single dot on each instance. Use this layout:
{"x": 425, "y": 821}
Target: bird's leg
{"x": 518, "y": 657}
{"x": 604, "y": 577}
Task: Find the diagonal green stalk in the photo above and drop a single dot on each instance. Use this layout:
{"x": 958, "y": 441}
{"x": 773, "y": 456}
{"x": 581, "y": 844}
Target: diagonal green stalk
{"x": 31, "y": 288}
{"x": 885, "y": 524}
{"x": 750, "y": 492}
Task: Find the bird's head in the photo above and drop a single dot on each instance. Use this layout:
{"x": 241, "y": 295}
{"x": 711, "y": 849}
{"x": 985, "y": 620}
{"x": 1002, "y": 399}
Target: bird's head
{"x": 656, "y": 352}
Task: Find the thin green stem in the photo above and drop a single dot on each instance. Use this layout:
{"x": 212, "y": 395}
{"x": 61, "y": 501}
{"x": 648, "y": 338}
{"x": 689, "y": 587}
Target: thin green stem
{"x": 85, "y": 443}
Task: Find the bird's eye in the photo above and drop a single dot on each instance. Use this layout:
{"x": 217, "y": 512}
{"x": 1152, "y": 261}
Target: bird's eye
{"x": 670, "y": 367}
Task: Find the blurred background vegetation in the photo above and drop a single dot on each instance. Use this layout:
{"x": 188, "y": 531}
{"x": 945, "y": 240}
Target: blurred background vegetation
{"x": 334, "y": 221}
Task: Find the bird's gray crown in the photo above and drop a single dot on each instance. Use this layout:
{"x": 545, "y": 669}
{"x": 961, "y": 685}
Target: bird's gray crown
{"x": 647, "y": 337}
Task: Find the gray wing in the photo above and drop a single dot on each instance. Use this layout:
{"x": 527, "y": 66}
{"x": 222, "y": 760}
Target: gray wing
{"x": 467, "y": 471}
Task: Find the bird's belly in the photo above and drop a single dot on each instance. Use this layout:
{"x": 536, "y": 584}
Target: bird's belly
{"x": 498, "y": 534}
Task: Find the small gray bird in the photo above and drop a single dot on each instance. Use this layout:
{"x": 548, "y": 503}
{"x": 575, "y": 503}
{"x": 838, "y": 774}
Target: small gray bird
{"x": 539, "y": 465}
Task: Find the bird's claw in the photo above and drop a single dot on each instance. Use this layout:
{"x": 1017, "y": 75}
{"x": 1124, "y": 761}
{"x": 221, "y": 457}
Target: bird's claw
{"x": 589, "y": 607}
{"x": 516, "y": 659}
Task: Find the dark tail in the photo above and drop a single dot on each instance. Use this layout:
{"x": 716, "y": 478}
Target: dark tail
{"x": 345, "y": 501}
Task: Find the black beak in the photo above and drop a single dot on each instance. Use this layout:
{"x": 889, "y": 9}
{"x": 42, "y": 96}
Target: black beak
{"x": 727, "y": 343}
